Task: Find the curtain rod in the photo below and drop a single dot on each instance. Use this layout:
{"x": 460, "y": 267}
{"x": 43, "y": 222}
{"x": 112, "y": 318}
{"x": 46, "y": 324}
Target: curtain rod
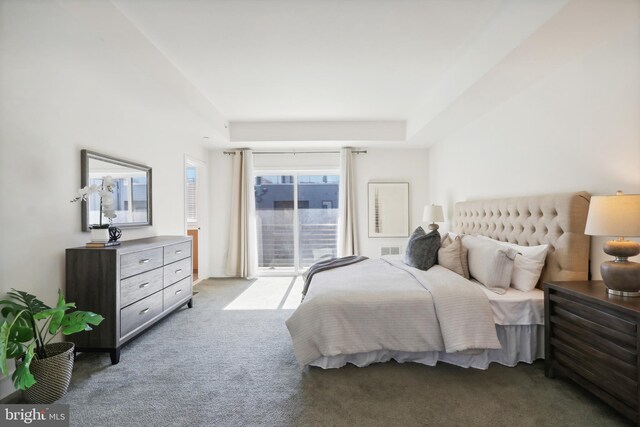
{"x": 230, "y": 153}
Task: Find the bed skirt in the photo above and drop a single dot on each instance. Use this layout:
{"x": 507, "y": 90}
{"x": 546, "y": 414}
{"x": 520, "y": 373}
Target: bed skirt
{"x": 520, "y": 343}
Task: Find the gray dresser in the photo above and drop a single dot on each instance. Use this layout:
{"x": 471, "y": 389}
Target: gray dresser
{"x": 132, "y": 285}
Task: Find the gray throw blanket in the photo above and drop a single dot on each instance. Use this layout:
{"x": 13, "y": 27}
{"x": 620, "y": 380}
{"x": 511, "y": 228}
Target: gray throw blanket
{"x": 328, "y": 264}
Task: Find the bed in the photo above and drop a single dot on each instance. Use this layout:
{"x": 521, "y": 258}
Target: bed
{"x": 378, "y": 310}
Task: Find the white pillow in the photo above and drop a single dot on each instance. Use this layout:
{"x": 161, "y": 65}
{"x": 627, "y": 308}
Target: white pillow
{"x": 526, "y": 272}
{"x": 527, "y": 265}
{"x": 489, "y": 263}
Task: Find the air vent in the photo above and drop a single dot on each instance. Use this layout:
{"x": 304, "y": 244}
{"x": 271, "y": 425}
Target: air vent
{"x": 390, "y": 250}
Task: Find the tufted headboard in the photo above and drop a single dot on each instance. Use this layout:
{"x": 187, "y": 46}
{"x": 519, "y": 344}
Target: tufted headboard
{"x": 556, "y": 219}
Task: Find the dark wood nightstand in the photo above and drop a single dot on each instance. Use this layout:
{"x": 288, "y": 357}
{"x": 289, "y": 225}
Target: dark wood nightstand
{"x": 592, "y": 338}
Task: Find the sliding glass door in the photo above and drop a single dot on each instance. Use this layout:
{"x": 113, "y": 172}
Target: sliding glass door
{"x": 297, "y": 218}
{"x": 317, "y": 218}
{"x": 275, "y": 221}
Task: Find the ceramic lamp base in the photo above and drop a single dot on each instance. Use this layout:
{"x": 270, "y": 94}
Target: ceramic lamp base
{"x": 621, "y": 277}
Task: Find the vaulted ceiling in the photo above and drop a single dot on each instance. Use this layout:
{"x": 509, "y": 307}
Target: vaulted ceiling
{"x": 396, "y": 72}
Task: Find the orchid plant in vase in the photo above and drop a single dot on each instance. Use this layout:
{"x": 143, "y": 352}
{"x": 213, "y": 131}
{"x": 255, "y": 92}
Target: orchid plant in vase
{"x": 107, "y": 206}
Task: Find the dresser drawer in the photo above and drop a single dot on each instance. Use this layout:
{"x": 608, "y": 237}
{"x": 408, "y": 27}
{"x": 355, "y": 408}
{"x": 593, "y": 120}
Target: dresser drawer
{"x": 178, "y": 292}
{"x": 613, "y": 375}
{"x": 137, "y": 287}
{"x": 599, "y": 318}
{"x": 139, "y": 313}
{"x": 139, "y": 262}
{"x": 177, "y": 271}
{"x": 177, "y": 252}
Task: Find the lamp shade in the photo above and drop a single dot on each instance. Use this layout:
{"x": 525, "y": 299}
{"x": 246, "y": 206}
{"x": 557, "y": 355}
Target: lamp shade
{"x": 433, "y": 213}
{"x": 617, "y": 216}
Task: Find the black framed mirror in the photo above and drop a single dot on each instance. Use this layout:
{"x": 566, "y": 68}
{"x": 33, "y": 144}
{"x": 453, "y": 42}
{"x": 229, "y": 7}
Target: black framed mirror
{"x": 132, "y": 193}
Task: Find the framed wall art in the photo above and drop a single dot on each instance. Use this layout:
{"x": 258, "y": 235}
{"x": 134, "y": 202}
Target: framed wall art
{"x": 388, "y": 209}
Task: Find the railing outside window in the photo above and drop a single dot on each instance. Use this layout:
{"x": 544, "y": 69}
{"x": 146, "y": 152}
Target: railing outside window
{"x": 291, "y": 237}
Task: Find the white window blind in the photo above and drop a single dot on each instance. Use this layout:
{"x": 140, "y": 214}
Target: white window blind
{"x": 190, "y": 195}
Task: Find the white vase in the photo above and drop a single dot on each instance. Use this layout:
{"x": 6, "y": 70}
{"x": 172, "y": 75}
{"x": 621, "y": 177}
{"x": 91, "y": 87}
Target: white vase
{"x": 100, "y": 235}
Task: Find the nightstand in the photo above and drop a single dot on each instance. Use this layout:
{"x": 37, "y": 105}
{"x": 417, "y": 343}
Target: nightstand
{"x": 592, "y": 338}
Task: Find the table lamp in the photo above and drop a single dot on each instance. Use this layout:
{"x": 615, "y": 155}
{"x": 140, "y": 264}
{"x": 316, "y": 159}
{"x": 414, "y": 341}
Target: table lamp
{"x": 618, "y": 216}
{"x": 433, "y": 214}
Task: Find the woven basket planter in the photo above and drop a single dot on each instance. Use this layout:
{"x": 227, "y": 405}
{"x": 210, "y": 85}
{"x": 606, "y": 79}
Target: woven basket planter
{"x": 52, "y": 374}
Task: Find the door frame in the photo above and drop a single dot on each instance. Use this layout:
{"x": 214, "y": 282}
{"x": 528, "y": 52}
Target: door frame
{"x": 201, "y": 174}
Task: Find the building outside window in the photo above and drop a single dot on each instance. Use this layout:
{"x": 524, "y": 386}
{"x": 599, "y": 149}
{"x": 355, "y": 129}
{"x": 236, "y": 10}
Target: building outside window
{"x": 297, "y": 217}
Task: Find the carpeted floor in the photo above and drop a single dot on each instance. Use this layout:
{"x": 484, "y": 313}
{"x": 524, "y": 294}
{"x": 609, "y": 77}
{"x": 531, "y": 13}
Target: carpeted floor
{"x": 208, "y": 366}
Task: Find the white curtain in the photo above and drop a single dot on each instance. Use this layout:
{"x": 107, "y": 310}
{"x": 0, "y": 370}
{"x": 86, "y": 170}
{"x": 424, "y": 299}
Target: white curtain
{"x": 242, "y": 258}
{"x": 347, "y": 223}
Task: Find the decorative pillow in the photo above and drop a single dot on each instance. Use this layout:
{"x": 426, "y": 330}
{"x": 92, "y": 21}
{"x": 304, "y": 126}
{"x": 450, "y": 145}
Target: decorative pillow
{"x": 489, "y": 263}
{"x": 465, "y": 253}
{"x": 538, "y": 253}
{"x": 453, "y": 235}
{"x": 422, "y": 249}
{"x": 453, "y": 255}
{"x": 527, "y": 266}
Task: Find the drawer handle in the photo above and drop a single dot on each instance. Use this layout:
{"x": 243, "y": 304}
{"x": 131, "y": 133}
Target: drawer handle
{"x": 179, "y": 251}
{"x": 144, "y": 311}
{"x": 144, "y": 285}
{"x": 144, "y": 261}
{"x": 178, "y": 271}
{"x": 178, "y": 291}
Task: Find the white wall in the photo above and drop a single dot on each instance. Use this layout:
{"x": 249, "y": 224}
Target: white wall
{"x": 578, "y": 129}
{"x": 65, "y": 88}
{"x": 220, "y": 178}
{"x": 390, "y": 166}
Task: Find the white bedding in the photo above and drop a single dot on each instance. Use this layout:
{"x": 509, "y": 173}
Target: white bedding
{"x": 384, "y": 304}
{"x": 515, "y": 307}
{"x": 370, "y": 292}
{"x": 520, "y": 343}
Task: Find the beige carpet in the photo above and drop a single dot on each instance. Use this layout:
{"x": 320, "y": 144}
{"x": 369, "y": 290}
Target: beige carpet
{"x": 211, "y": 366}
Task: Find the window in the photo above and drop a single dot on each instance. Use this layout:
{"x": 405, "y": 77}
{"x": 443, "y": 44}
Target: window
{"x": 297, "y": 218}
{"x": 191, "y": 173}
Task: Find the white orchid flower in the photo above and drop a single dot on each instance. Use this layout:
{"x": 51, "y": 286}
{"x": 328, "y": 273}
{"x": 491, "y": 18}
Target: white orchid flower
{"x": 82, "y": 194}
{"x": 108, "y": 183}
{"x": 109, "y": 213}
{"x": 105, "y": 192}
{"x": 107, "y": 198}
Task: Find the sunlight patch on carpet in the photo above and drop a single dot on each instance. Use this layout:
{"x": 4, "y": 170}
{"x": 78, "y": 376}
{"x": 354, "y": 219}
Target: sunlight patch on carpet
{"x": 270, "y": 293}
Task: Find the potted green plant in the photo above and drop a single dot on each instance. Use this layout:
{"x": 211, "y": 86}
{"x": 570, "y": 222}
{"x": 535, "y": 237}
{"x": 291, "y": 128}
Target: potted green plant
{"x": 43, "y": 369}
